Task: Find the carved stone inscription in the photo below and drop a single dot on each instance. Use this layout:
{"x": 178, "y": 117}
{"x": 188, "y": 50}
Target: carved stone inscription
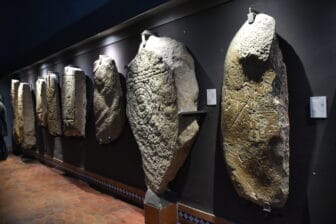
{"x": 53, "y": 105}
{"x": 41, "y": 102}
{"x": 163, "y": 137}
{"x": 74, "y": 102}
{"x": 26, "y": 117}
{"x": 255, "y": 122}
{"x": 108, "y": 108}
{"x": 14, "y": 98}
{"x": 182, "y": 65}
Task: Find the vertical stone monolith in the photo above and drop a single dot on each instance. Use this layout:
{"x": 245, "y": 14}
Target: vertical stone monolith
{"x": 255, "y": 124}
{"x": 54, "y": 119}
{"x": 74, "y": 102}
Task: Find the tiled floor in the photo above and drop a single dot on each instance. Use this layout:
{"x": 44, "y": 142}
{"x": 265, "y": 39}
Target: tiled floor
{"x": 34, "y": 193}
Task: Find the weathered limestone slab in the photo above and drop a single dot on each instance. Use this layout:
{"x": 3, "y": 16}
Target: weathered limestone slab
{"x": 41, "y": 102}
{"x": 255, "y": 122}
{"x": 14, "y": 98}
{"x": 53, "y": 105}
{"x": 108, "y": 108}
{"x": 26, "y": 117}
{"x": 155, "y": 96}
{"x": 182, "y": 65}
{"x": 74, "y": 102}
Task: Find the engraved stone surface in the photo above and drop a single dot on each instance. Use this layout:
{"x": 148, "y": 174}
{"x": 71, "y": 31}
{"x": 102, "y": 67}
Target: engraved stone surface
{"x": 41, "y": 102}
{"x": 255, "y": 124}
{"x": 53, "y": 105}
{"x": 108, "y": 108}
{"x": 26, "y": 117}
{"x": 74, "y": 102}
{"x": 182, "y": 65}
{"x": 14, "y": 99}
{"x": 154, "y": 99}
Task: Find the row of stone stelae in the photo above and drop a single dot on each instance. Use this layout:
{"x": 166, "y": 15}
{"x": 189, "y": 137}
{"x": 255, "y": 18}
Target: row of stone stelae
{"x": 161, "y": 83}
{"x": 63, "y": 110}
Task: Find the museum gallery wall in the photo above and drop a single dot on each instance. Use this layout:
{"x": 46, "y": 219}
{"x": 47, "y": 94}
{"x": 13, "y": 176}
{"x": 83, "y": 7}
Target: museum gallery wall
{"x": 136, "y": 111}
{"x": 161, "y": 84}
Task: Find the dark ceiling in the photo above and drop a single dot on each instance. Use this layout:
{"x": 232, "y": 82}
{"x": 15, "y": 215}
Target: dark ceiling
{"x": 32, "y": 30}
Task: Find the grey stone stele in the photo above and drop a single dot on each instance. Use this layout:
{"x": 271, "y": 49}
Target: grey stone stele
{"x": 14, "y": 102}
{"x": 74, "y": 102}
{"x": 54, "y": 120}
{"x": 26, "y": 117}
{"x": 161, "y": 83}
{"x": 108, "y": 105}
{"x": 255, "y": 123}
{"x": 41, "y": 102}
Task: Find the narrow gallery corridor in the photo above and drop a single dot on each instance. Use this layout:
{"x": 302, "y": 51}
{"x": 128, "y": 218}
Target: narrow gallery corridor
{"x": 33, "y": 193}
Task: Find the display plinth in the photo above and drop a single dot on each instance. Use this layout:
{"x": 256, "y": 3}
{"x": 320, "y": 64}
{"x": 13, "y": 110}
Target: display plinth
{"x": 159, "y": 210}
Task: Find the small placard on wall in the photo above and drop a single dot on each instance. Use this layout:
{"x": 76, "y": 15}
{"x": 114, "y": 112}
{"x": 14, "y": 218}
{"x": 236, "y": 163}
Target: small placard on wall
{"x": 318, "y": 107}
{"x": 211, "y": 97}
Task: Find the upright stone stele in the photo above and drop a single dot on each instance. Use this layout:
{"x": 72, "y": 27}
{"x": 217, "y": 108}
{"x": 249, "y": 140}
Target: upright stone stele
{"x": 108, "y": 105}
{"x": 41, "y": 102}
{"x": 74, "y": 102}
{"x": 255, "y": 124}
{"x": 14, "y": 100}
{"x": 26, "y": 117}
{"x": 54, "y": 119}
{"x": 161, "y": 83}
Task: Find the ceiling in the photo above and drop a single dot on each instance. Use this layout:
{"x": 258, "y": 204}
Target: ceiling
{"x": 32, "y": 30}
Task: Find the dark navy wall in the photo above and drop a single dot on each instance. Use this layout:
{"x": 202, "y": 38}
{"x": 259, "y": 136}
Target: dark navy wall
{"x": 306, "y": 32}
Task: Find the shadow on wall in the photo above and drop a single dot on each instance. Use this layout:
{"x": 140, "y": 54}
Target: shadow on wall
{"x": 228, "y": 204}
{"x": 322, "y": 185}
{"x": 199, "y": 163}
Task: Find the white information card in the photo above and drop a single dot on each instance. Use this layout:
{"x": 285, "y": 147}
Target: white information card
{"x": 211, "y": 97}
{"x": 318, "y": 107}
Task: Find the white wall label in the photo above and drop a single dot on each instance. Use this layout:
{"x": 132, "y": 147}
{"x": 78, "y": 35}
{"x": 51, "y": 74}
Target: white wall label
{"x": 318, "y": 107}
{"x": 211, "y": 97}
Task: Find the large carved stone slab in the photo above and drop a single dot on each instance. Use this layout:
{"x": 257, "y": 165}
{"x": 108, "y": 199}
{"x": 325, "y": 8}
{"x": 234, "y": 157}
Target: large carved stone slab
{"x": 26, "y": 117}
{"x": 255, "y": 122}
{"x": 14, "y": 99}
{"x": 54, "y": 119}
{"x": 108, "y": 108}
{"x": 41, "y": 102}
{"x": 74, "y": 102}
{"x": 154, "y": 99}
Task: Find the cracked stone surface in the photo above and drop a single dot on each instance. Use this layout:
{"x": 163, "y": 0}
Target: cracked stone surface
{"x": 155, "y": 96}
{"x": 255, "y": 124}
{"x": 74, "y": 102}
{"x": 108, "y": 106}
{"x": 41, "y": 102}
{"x": 54, "y": 119}
{"x": 14, "y": 101}
{"x": 26, "y": 117}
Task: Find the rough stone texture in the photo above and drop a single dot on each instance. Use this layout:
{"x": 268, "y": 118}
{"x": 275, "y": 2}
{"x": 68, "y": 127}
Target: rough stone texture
{"x": 255, "y": 122}
{"x": 41, "y": 102}
{"x": 53, "y": 105}
{"x": 74, "y": 102}
{"x": 26, "y": 117}
{"x": 108, "y": 108}
{"x": 153, "y": 102}
{"x": 14, "y": 98}
{"x": 182, "y": 65}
